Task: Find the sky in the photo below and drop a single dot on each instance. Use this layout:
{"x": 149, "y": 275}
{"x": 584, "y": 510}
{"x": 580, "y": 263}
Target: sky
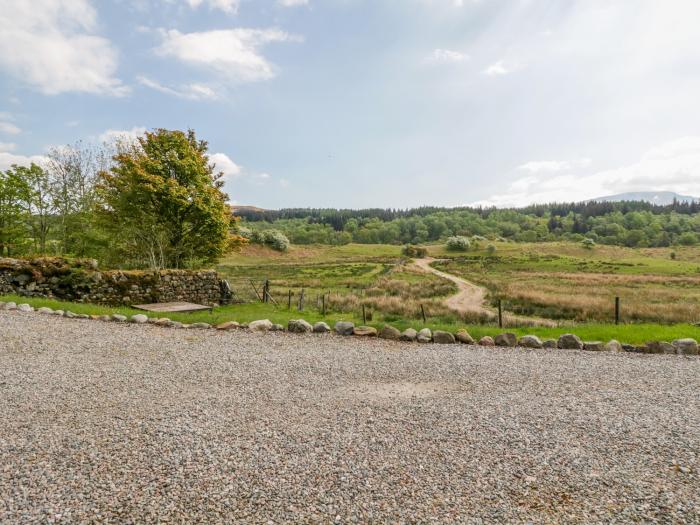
{"x": 371, "y": 103}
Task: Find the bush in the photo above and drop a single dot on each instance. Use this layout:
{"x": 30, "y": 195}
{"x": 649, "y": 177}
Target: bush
{"x": 458, "y": 244}
{"x": 490, "y": 249}
{"x": 273, "y": 238}
{"x": 414, "y": 251}
{"x": 588, "y": 243}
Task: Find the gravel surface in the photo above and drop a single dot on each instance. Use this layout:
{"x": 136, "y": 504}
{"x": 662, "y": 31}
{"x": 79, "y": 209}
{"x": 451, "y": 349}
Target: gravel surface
{"x": 102, "y": 422}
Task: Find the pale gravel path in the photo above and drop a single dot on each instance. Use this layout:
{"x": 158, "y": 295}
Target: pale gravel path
{"x": 102, "y": 422}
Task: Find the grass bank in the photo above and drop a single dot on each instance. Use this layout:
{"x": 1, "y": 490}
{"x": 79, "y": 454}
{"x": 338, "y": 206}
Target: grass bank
{"x": 626, "y": 333}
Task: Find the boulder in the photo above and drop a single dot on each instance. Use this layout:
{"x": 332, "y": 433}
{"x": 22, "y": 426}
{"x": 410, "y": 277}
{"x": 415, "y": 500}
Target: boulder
{"x": 530, "y": 341}
{"x": 45, "y": 310}
{"x": 104, "y": 318}
{"x": 200, "y": 326}
{"x": 660, "y": 347}
{"x": 424, "y": 336}
{"x": 365, "y": 331}
{"x": 344, "y": 328}
{"x": 139, "y": 319}
{"x": 487, "y": 340}
{"x": 409, "y": 334}
{"x": 82, "y": 316}
{"x": 176, "y": 324}
{"x": 152, "y": 320}
{"x": 443, "y": 338}
{"x": 277, "y": 328}
{"x": 321, "y": 328}
{"x": 299, "y": 326}
{"x": 58, "y": 312}
{"x": 262, "y": 325}
{"x": 613, "y": 346}
{"x": 228, "y": 325}
{"x": 506, "y": 339}
{"x": 686, "y": 346}
{"x": 628, "y": 348}
{"x": 549, "y": 344}
{"x": 389, "y": 332}
{"x": 69, "y": 314}
{"x": 463, "y": 337}
{"x": 570, "y": 342}
{"x": 594, "y": 346}
{"x": 10, "y": 306}
{"x": 118, "y": 318}
{"x": 163, "y": 321}
{"x": 24, "y": 307}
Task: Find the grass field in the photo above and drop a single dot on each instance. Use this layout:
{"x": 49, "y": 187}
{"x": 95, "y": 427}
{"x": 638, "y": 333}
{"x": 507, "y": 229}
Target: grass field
{"x": 567, "y": 282}
{"x": 660, "y": 294}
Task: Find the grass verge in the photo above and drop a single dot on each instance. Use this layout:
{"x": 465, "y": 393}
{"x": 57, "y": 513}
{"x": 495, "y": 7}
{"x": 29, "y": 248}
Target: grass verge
{"x": 626, "y": 333}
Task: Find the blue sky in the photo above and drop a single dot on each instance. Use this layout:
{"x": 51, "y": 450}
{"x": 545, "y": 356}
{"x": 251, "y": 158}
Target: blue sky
{"x": 382, "y": 103}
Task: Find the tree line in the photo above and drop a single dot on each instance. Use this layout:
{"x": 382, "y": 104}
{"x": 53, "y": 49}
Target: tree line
{"x": 154, "y": 202}
{"x": 633, "y": 224}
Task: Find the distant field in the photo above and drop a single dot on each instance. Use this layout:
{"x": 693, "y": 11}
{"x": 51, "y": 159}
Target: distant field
{"x": 560, "y": 281}
{"x": 566, "y": 281}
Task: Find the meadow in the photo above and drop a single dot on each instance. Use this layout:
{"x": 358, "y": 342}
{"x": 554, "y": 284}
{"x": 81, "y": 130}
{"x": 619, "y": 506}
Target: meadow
{"x": 565, "y": 282}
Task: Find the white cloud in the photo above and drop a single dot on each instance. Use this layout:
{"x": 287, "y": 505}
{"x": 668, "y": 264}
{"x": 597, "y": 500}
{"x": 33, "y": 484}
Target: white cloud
{"x": 9, "y": 128}
{"x": 447, "y": 55}
{"x": 227, "y": 6}
{"x": 51, "y": 46}
{"x": 8, "y": 159}
{"x": 553, "y": 166}
{"x": 194, "y": 91}
{"x": 121, "y": 135}
{"x": 233, "y": 54}
{"x": 498, "y": 69}
{"x": 6, "y": 147}
{"x": 672, "y": 166}
{"x": 223, "y": 163}
{"x": 292, "y": 3}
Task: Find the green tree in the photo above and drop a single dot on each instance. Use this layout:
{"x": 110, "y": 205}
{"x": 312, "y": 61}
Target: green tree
{"x": 14, "y": 193}
{"x": 39, "y": 203}
{"x": 163, "y": 204}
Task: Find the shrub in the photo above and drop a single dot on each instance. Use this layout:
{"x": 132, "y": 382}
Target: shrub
{"x": 273, "y": 238}
{"x": 588, "y": 243}
{"x": 458, "y": 244}
{"x": 410, "y": 250}
{"x": 490, "y": 249}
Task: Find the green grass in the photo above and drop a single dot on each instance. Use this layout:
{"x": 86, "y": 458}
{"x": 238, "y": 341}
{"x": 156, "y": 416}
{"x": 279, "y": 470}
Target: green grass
{"x": 627, "y": 333}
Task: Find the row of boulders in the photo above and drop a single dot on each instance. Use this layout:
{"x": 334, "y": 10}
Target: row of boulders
{"x": 346, "y": 328}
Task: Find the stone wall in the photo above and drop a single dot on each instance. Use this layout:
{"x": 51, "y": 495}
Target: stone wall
{"x": 82, "y": 281}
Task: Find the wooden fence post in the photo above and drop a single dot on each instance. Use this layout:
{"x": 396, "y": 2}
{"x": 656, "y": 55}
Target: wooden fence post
{"x": 301, "y": 301}
{"x": 422, "y": 312}
{"x": 617, "y": 310}
{"x": 500, "y": 314}
{"x": 364, "y": 315}
{"x": 289, "y": 301}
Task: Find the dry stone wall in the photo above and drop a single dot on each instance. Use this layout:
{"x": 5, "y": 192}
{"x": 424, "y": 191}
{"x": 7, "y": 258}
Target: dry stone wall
{"x": 82, "y": 281}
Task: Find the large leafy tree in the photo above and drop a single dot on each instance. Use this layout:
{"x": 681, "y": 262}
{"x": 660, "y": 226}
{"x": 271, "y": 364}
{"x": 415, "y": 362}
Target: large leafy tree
{"x": 39, "y": 204}
{"x": 163, "y": 204}
{"x": 14, "y": 193}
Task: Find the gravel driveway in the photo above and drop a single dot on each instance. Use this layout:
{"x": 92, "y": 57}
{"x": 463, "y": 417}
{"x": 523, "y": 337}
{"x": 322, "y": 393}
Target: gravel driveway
{"x": 101, "y": 422}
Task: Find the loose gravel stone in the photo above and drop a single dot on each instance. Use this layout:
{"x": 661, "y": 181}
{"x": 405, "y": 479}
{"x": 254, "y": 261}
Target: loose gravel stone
{"x": 263, "y": 325}
{"x": 507, "y": 339}
{"x": 408, "y": 335}
{"x": 365, "y": 331}
{"x": 443, "y": 338}
{"x": 123, "y": 423}
{"x": 425, "y": 335}
{"x": 463, "y": 337}
{"x": 487, "y": 340}
{"x": 390, "y": 332}
{"x": 299, "y": 326}
{"x": 321, "y": 328}
{"x": 344, "y": 328}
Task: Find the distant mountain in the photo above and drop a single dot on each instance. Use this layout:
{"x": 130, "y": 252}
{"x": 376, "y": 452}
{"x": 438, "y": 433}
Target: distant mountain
{"x": 661, "y": 198}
